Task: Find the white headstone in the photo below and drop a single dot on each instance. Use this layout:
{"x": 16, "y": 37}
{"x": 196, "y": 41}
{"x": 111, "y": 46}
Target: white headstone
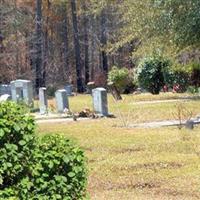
{"x": 100, "y": 102}
{"x": 43, "y": 103}
{"x": 5, "y": 97}
{"x": 22, "y": 90}
{"x": 61, "y": 100}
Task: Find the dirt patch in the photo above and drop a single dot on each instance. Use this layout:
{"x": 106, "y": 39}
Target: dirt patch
{"x": 152, "y": 166}
{"x": 118, "y": 151}
{"x": 127, "y": 150}
{"x": 99, "y": 184}
{"x": 176, "y": 193}
{"x": 96, "y": 160}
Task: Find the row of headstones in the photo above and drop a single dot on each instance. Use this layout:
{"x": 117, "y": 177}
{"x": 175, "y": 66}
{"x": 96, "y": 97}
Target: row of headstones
{"x": 23, "y": 90}
{"x": 99, "y": 95}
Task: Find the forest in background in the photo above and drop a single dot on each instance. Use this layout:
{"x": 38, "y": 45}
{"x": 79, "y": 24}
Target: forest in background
{"x": 55, "y": 42}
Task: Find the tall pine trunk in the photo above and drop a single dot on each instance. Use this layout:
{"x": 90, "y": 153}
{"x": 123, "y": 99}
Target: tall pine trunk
{"x": 39, "y": 81}
{"x": 80, "y": 87}
{"x": 66, "y": 42}
{"x": 86, "y": 45}
{"x": 104, "y": 41}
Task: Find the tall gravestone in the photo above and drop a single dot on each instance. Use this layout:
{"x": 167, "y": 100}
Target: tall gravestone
{"x": 61, "y": 100}
{"x": 100, "y": 102}
{"x": 69, "y": 89}
{"x": 5, "y": 89}
{"x": 22, "y": 90}
{"x": 43, "y": 103}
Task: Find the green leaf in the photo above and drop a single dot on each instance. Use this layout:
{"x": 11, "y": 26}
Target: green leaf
{"x": 22, "y": 142}
{"x": 2, "y": 133}
{"x": 71, "y": 174}
{"x": 66, "y": 159}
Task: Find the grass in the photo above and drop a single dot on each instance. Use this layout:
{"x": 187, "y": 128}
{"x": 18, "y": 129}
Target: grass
{"x": 123, "y": 163}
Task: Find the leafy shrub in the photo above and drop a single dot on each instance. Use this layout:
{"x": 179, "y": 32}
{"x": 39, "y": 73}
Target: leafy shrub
{"x": 37, "y": 168}
{"x": 51, "y": 90}
{"x": 16, "y": 145}
{"x": 151, "y": 73}
{"x": 192, "y": 90}
{"x": 122, "y": 78}
{"x": 58, "y": 171}
{"x": 181, "y": 78}
{"x": 194, "y": 69}
{"x": 180, "y": 75}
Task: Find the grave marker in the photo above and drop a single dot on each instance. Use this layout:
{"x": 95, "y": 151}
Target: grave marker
{"x": 100, "y": 102}
{"x": 5, "y": 89}
{"x": 5, "y": 97}
{"x": 61, "y": 100}
{"x": 22, "y": 90}
{"x": 69, "y": 89}
{"x": 43, "y": 103}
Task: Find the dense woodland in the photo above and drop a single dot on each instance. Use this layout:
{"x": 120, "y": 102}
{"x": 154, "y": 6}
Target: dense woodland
{"x": 55, "y": 42}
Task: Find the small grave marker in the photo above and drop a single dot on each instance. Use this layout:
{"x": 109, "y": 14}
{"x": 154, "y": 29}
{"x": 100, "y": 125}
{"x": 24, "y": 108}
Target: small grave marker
{"x": 61, "y": 100}
{"x": 100, "y": 102}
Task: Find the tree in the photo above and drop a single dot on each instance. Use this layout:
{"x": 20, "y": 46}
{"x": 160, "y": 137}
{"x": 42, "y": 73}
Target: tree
{"x": 180, "y": 20}
{"x": 40, "y": 79}
{"x": 86, "y": 43}
{"x": 80, "y": 87}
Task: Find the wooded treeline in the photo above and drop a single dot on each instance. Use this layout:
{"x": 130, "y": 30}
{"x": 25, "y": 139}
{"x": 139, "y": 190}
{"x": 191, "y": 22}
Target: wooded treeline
{"x": 55, "y": 42}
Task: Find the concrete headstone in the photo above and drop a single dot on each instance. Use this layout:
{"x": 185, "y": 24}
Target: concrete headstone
{"x": 61, "y": 100}
{"x": 69, "y": 89}
{"x": 100, "y": 102}
{"x": 5, "y": 89}
{"x": 22, "y": 90}
{"x": 189, "y": 124}
{"x": 43, "y": 103}
{"x": 5, "y": 97}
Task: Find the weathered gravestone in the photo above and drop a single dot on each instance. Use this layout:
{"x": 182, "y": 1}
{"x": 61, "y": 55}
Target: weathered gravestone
{"x": 22, "y": 90}
{"x": 69, "y": 89}
{"x": 61, "y": 100}
{"x": 5, "y": 97}
{"x": 5, "y": 89}
{"x": 100, "y": 102}
{"x": 43, "y": 103}
{"x": 90, "y": 87}
{"x": 189, "y": 124}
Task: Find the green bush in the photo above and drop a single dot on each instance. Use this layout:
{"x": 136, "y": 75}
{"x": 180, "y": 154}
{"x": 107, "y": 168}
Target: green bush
{"x": 16, "y": 145}
{"x": 51, "y": 90}
{"x": 192, "y": 90}
{"x": 122, "y": 78}
{"x": 58, "y": 171}
{"x": 182, "y": 78}
{"x": 151, "y": 73}
{"x": 37, "y": 168}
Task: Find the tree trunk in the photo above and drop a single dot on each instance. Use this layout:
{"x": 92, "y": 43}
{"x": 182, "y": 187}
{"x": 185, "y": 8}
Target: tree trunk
{"x": 39, "y": 82}
{"x": 86, "y": 46}
{"x": 114, "y": 91}
{"x": 1, "y": 26}
{"x": 66, "y": 42}
{"x": 80, "y": 87}
{"x": 104, "y": 42}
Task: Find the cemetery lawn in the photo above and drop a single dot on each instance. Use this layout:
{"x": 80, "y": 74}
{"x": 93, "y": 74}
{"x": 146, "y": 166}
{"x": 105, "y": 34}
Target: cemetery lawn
{"x": 161, "y": 163}
{"x": 141, "y": 108}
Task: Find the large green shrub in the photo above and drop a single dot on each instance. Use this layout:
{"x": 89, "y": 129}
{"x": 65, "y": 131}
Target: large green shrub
{"x": 37, "y": 168}
{"x": 58, "y": 171}
{"x": 121, "y": 78}
{"x": 16, "y": 145}
{"x": 151, "y": 73}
